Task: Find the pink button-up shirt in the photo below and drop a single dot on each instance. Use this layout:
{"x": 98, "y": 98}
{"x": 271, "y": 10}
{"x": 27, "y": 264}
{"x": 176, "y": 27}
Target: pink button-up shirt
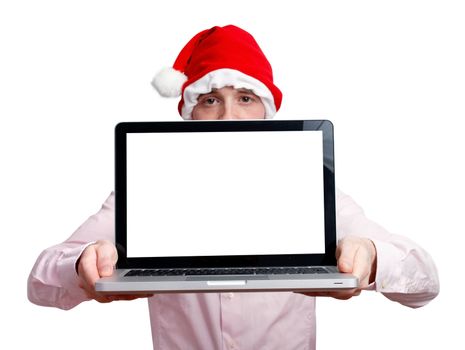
{"x": 280, "y": 320}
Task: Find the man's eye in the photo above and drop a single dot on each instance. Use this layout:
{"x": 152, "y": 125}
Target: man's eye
{"x": 246, "y": 99}
{"x": 210, "y": 101}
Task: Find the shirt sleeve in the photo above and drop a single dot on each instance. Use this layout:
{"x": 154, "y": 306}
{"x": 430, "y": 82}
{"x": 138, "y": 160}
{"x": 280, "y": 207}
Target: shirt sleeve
{"x": 405, "y": 272}
{"x": 53, "y": 280}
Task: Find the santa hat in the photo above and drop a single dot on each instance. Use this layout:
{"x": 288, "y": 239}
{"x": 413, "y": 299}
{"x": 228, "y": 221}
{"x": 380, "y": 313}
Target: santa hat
{"x": 215, "y": 58}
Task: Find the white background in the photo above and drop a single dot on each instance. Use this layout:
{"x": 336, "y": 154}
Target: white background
{"x": 390, "y": 75}
{"x": 238, "y": 193}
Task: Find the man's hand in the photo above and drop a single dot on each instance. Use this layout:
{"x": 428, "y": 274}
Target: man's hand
{"x": 98, "y": 260}
{"x": 356, "y": 256}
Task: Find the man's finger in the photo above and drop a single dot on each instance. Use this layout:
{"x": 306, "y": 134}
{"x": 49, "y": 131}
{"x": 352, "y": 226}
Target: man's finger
{"x": 102, "y": 298}
{"x": 341, "y": 295}
{"x": 88, "y": 266}
{"x": 345, "y": 295}
{"x": 106, "y": 259}
{"x": 346, "y": 254}
{"x": 362, "y": 265}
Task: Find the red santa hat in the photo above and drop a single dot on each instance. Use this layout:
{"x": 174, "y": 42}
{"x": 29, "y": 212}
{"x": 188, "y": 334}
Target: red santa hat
{"x": 215, "y": 58}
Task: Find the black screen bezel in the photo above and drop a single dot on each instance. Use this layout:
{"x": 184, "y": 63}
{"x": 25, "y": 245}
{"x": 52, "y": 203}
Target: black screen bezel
{"x": 326, "y": 259}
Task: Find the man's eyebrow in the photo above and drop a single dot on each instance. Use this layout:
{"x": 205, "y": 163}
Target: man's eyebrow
{"x": 215, "y": 90}
{"x": 247, "y": 91}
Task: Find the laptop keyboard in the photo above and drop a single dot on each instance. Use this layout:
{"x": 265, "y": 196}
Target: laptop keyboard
{"x": 227, "y": 271}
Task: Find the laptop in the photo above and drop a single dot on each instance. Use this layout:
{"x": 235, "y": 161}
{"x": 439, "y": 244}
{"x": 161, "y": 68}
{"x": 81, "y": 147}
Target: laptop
{"x": 212, "y": 206}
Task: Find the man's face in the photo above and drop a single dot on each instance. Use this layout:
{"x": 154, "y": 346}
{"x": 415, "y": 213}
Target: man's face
{"x": 228, "y": 103}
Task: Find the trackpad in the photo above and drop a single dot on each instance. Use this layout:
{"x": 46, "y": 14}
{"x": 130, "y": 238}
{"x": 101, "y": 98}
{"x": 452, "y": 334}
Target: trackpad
{"x": 227, "y": 283}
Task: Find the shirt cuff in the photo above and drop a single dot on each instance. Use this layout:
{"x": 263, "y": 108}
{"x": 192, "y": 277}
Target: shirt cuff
{"x": 388, "y": 266}
{"x": 67, "y": 269}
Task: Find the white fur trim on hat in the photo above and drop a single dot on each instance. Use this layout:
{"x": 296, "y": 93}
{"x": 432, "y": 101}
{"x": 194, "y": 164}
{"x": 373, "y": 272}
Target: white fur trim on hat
{"x": 168, "y": 82}
{"x": 220, "y": 78}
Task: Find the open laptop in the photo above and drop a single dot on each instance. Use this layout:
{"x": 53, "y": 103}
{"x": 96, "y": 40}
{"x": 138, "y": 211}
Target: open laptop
{"x": 207, "y": 206}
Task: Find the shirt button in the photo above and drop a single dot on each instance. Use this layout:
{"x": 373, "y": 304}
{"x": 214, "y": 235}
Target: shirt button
{"x": 230, "y": 295}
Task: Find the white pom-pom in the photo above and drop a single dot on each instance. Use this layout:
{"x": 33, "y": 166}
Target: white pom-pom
{"x": 168, "y": 82}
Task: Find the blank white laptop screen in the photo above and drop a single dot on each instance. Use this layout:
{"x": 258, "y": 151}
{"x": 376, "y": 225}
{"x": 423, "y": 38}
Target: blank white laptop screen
{"x": 225, "y": 193}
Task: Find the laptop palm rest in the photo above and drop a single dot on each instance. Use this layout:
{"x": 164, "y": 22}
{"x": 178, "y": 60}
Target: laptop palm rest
{"x": 227, "y": 278}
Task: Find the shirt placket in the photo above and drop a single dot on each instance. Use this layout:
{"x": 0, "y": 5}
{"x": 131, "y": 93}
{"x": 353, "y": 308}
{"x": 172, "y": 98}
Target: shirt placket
{"x": 230, "y": 320}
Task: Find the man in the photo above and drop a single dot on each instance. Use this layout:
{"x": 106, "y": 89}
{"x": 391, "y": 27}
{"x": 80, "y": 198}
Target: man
{"x": 222, "y": 74}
